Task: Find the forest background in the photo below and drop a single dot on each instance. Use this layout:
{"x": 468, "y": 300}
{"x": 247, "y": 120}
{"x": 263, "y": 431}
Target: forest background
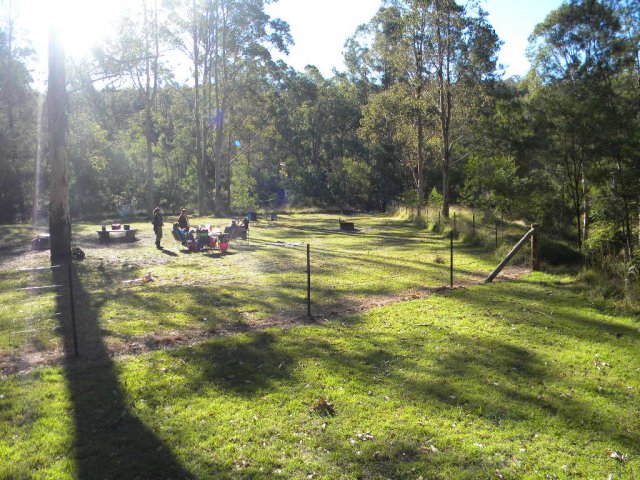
{"x": 421, "y": 115}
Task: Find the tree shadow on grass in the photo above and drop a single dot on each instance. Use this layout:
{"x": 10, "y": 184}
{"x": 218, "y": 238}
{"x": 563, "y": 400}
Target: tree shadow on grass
{"x": 109, "y": 442}
{"x": 556, "y": 315}
{"x": 244, "y": 365}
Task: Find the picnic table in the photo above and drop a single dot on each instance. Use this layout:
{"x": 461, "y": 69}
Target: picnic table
{"x": 105, "y": 235}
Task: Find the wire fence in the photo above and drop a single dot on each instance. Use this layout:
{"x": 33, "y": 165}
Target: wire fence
{"x": 52, "y": 312}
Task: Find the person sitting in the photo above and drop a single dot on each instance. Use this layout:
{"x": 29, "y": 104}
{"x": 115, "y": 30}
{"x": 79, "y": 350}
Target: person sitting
{"x": 183, "y": 221}
{"x": 178, "y": 232}
{"x": 245, "y": 223}
{"x": 231, "y": 229}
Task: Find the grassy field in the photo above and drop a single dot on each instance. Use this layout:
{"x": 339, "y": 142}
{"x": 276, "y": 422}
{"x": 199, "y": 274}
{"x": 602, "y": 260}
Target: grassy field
{"x": 258, "y": 282}
{"x": 529, "y": 378}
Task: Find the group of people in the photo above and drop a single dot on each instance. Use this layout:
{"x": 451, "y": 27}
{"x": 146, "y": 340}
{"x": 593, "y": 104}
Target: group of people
{"x": 184, "y": 227}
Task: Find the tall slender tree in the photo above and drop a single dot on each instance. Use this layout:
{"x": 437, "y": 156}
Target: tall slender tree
{"x": 59, "y": 220}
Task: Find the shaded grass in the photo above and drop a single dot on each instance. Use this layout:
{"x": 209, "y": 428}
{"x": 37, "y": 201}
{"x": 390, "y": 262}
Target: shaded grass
{"x": 526, "y": 379}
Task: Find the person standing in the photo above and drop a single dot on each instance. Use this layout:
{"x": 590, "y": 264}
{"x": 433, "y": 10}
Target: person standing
{"x": 157, "y": 226}
{"x": 183, "y": 221}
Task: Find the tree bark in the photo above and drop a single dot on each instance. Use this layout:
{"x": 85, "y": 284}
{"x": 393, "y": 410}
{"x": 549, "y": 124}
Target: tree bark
{"x": 443, "y": 39}
{"x": 586, "y": 209}
{"x": 200, "y": 159}
{"x": 420, "y": 169}
{"x": 10, "y": 78}
{"x": 148, "y": 104}
{"x": 60, "y": 219}
{"x": 217, "y": 153}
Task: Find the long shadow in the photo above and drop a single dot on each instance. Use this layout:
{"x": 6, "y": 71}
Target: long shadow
{"x": 243, "y": 366}
{"x": 110, "y": 441}
{"x": 562, "y": 320}
{"x": 463, "y": 378}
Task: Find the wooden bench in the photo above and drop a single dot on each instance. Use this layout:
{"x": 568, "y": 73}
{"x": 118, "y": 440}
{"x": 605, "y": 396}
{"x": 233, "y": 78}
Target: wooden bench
{"x": 105, "y": 235}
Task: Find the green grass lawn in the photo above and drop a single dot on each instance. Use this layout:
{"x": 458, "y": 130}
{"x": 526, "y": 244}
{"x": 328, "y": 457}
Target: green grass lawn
{"x": 529, "y": 378}
{"x": 522, "y": 379}
{"x": 257, "y": 282}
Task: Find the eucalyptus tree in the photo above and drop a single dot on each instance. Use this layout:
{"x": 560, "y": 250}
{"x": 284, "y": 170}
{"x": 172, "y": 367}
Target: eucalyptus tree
{"x": 442, "y": 52}
{"x": 59, "y": 219}
{"x": 578, "y": 54}
{"x": 133, "y": 58}
{"x": 227, "y": 40}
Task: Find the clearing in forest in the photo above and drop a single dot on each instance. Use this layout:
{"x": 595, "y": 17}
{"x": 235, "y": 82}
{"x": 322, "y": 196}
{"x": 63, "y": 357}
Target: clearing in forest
{"x": 258, "y": 283}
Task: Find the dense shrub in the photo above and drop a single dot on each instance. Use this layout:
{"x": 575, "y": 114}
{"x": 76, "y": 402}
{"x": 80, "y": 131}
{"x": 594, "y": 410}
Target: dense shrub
{"x": 554, "y": 252}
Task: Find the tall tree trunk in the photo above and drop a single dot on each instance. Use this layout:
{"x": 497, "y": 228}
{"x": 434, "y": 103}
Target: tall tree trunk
{"x": 421, "y": 164}
{"x": 217, "y": 152}
{"x": 586, "y": 210}
{"x": 200, "y": 159}
{"x": 228, "y": 178}
{"x": 218, "y": 202}
{"x": 148, "y": 130}
{"x": 59, "y": 220}
{"x": 9, "y": 70}
{"x": 443, "y": 39}
{"x": 628, "y": 232}
{"x": 148, "y": 126}
{"x": 577, "y": 204}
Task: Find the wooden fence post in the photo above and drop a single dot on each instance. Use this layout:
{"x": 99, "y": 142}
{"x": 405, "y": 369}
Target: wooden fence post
{"x": 535, "y": 248}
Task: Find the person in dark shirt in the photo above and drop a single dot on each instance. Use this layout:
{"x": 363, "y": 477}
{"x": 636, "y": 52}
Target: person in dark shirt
{"x": 183, "y": 221}
{"x": 157, "y": 226}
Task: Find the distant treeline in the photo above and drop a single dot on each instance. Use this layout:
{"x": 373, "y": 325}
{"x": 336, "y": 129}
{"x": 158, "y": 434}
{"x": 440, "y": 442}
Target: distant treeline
{"x": 422, "y": 111}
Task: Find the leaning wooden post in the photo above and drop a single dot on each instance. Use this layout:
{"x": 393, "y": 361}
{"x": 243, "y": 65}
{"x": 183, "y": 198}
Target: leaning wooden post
{"x": 451, "y": 262}
{"x": 509, "y": 256}
{"x": 308, "y": 281}
{"x": 535, "y": 248}
{"x": 473, "y": 222}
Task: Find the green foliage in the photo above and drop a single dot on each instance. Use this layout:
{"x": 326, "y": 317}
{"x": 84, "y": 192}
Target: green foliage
{"x": 243, "y": 188}
{"x": 410, "y": 198}
{"x": 434, "y": 200}
{"x": 491, "y": 182}
{"x": 349, "y": 181}
{"x": 556, "y": 252}
{"x": 20, "y": 118}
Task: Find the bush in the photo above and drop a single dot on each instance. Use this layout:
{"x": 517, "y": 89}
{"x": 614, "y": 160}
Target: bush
{"x": 601, "y": 285}
{"x": 554, "y": 252}
{"x": 521, "y": 259}
{"x": 474, "y": 239}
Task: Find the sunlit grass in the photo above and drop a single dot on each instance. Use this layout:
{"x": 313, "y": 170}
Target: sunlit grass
{"x": 522, "y": 379}
{"x": 256, "y": 281}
